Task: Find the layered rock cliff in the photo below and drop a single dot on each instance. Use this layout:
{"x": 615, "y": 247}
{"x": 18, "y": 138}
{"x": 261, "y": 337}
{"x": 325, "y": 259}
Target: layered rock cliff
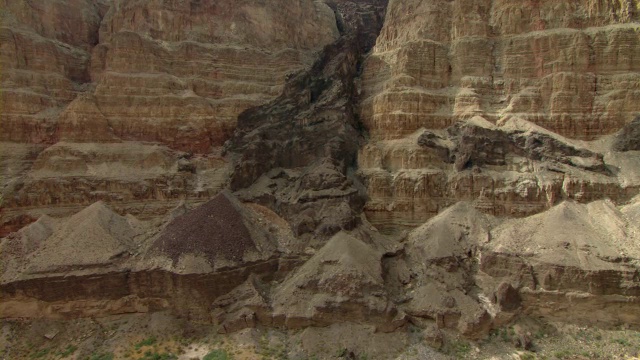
{"x": 568, "y": 67}
{"x": 174, "y": 75}
{"x": 501, "y": 134}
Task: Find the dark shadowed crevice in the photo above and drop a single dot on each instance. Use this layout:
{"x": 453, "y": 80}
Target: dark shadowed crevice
{"x": 295, "y": 154}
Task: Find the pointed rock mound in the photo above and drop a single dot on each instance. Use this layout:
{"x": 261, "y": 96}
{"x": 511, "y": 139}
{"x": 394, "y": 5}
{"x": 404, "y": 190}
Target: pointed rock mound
{"x": 441, "y": 259}
{"x": 222, "y": 231}
{"x": 452, "y": 233}
{"x": 595, "y": 236}
{"x": 95, "y": 236}
{"x": 341, "y": 282}
{"x": 16, "y": 248}
{"x": 584, "y": 255}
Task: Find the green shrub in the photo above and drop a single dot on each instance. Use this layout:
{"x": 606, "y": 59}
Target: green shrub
{"x": 70, "y": 349}
{"x": 101, "y": 356}
{"x": 562, "y": 354}
{"x": 156, "y": 356}
{"x": 218, "y": 354}
{"x": 146, "y": 342}
{"x": 623, "y": 342}
{"x": 40, "y": 353}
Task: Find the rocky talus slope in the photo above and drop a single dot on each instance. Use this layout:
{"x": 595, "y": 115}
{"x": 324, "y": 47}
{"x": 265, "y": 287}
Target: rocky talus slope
{"x": 452, "y": 166}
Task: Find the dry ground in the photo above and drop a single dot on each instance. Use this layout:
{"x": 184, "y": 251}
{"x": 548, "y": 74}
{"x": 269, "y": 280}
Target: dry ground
{"x": 162, "y": 337}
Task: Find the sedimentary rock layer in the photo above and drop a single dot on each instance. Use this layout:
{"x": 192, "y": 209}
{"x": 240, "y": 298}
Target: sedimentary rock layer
{"x": 463, "y": 270}
{"x": 176, "y": 74}
{"x": 173, "y": 74}
{"x": 569, "y": 67}
{"x": 296, "y": 154}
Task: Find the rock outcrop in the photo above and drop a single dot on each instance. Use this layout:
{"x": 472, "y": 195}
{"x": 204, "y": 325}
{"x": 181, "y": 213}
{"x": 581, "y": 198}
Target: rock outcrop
{"x": 341, "y": 282}
{"x": 512, "y": 168}
{"x": 583, "y": 255}
{"x": 564, "y": 66}
{"x": 142, "y": 179}
{"x": 463, "y": 270}
{"x": 173, "y": 74}
{"x": 468, "y": 271}
{"x": 297, "y": 153}
{"x": 628, "y": 139}
{"x": 255, "y": 163}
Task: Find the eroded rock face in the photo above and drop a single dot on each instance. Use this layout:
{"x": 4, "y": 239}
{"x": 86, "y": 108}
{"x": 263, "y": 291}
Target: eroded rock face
{"x": 512, "y": 168}
{"x": 515, "y": 108}
{"x": 173, "y": 74}
{"x": 297, "y": 153}
{"x": 46, "y": 51}
{"x": 341, "y": 282}
{"x": 628, "y": 139}
{"x": 147, "y": 62}
{"x": 142, "y": 179}
{"x": 583, "y": 254}
{"x": 468, "y": 271}
{"x": 215, "y": 59}
{"x": 462, "y": 271}
{"x": 564, "y": 66}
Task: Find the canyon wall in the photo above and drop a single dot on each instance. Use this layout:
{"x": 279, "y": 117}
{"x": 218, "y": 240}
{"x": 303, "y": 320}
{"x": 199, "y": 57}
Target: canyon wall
{"x": 156, "y": 86}
{"x": 570, "y": 67}
{"x": 485, "y": 126}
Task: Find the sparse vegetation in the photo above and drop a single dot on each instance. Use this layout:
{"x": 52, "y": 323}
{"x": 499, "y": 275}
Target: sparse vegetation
{"x": 459, "y": 348}
{"x": 70, "y": 349}
{"x": 562, "y": 354}
{"x": 101, "y": 356}
{"x": 218, "y": 354}
{"x": 272, "y": 352}
{"x": 146, "y": 342}
{"x": 40, "y": 354}
{"x": 158, "y": 356}
{"x": 621, "y": 341}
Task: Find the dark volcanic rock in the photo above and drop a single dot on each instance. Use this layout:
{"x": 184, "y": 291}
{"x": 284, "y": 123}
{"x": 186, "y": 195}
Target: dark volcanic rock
{"x": 507, "y": 297}
{"x": 215, "y": 229}
{"x": 474, "y": 143}
{"x": 295, "y": 153}
{"x": 629, "y": 137}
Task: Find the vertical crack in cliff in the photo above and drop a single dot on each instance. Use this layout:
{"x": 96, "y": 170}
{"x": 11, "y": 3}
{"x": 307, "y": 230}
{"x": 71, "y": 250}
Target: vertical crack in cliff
{"x": 295, "y": 153}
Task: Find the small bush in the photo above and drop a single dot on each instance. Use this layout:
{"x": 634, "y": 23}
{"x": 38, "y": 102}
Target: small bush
{"x": 156, "y": 356}
{"x": 460, "y": 348}
{"x": 40, "y": 354}
{"x": 146, "y": 342}
{"x": 101, "y": 356}
{"x": 70, "y": 349}
{"x": 623, "y": 342}
{"x": 218, "y": 354}
{"x": 563, "y": 354}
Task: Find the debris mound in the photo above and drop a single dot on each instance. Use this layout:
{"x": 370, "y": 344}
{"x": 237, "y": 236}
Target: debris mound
{"x": 341, "y": 282}
{"x": 215, "y": 229}
{"x": 94, "y": 236}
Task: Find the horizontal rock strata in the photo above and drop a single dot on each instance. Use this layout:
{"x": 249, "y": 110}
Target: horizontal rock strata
{"x": 565, "y": 66}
